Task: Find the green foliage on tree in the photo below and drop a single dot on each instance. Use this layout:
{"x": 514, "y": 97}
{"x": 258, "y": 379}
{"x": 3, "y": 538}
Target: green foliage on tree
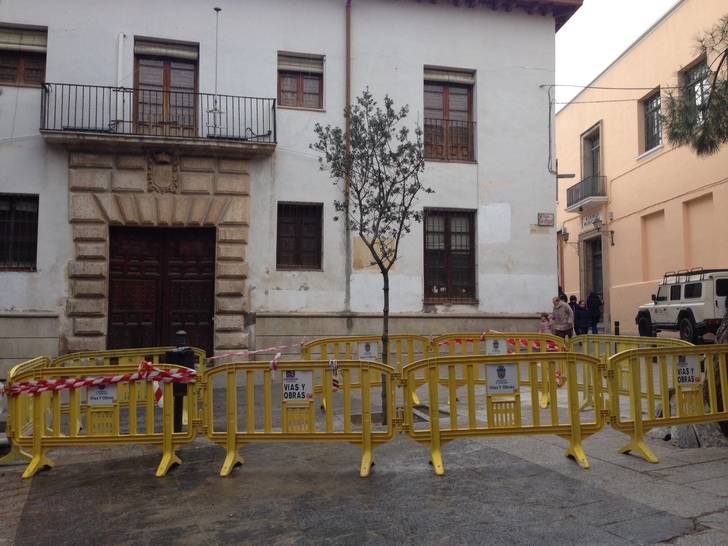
{"x": 377, "y": 161}
{"x": 697, "y": 115}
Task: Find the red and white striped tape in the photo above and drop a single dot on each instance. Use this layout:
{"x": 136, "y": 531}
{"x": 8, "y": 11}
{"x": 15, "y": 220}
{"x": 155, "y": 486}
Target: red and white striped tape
{"x": 147, "y": 372}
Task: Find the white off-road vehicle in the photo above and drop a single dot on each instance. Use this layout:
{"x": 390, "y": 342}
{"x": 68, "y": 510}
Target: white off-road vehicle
{"x": 691, "y": 302}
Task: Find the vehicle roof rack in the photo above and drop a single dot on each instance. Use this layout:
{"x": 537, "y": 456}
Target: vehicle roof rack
{"x": 685, "y": 275}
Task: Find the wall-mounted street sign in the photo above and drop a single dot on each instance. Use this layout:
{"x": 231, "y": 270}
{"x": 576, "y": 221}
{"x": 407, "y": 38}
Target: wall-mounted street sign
{"x": 546, "y": 219}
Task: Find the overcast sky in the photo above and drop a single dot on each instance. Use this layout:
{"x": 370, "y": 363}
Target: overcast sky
{"x": 599, "y": 32}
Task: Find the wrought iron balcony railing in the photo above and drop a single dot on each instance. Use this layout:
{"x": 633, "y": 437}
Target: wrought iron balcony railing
{"x": 449, "y": 140}
{"x": 593, "y": 186}
{"x": 150, "y": 112}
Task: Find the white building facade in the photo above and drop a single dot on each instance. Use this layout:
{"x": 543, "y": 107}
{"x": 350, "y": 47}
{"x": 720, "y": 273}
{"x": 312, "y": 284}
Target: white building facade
{"x": 165, "y": 187}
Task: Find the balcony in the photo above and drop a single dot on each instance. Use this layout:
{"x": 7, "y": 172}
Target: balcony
{"x": 449, "y": 140}
{"x": 117, "y": 118}
{"x": 587, "y": 194}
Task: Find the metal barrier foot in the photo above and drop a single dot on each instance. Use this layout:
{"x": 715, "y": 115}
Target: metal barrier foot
{"x": 16, "y": 455}
{"x": 232, "y": 459}
{"x": 544, "y": 400}
{"x": 577, "y": 453}
{"x": 640, "y": 448}
{"x": 37, "y": 463}
{"x": 169, "y": 459}
{"x": 416, "y": 399}
{"x": 436, "y": 462}
{"x": 367, "y": 462}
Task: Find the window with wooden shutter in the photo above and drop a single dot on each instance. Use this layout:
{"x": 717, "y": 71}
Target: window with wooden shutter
{"x": 449, "y": 122}
{"x": 166, "y": 87}
{"x": 22, "y": 55}
{"x": 299, "y": 236}
{"x": 301, "y": 80}
{"x": 449, "y": 256}
{"x": 18, "y": 232}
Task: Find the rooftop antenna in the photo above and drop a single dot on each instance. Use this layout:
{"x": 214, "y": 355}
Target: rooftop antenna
{"x": 217, "y": 31}
{"x": 215, "y": 109}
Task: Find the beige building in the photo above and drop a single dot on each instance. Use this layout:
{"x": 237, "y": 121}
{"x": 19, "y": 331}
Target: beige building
{"x": 638, "y": 205}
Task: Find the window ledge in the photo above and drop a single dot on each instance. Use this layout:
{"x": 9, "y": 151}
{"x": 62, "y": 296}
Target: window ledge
{"x": 4, "y": 269}
{"x": 294, "y": 269}
{"x": 20, "y": 84}
{"x": 446, "y": 301}
{"x": 280, "y": 107}
{"x": 465, "y": 161}
{"x": 650, "y": 152}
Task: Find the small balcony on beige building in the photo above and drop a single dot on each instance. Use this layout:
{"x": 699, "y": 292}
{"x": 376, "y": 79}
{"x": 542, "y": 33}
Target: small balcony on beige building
{"x": 587, "y": 194}
{"x": 107, "y": 118}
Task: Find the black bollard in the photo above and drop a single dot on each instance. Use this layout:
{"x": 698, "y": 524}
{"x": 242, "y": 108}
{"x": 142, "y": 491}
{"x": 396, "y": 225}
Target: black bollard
{"x": 616, "y": 327}
{"x": 181, "y": 356}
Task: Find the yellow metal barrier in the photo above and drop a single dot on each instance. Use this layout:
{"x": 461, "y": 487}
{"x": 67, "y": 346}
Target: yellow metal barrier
{"x": 507, "y": 388}
{"x": 20, "y": 412}
{"x": 670, "y": 386}
{"x": 603, "y": 347}
{"x": 288, "y": 413}
{"x": 103, "y": 421}
{"x": 403, "y": 349}
{"x": 502, "y": 343}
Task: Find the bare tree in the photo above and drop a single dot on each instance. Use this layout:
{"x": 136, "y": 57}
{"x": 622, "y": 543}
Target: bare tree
{"x": 377, "y": 161}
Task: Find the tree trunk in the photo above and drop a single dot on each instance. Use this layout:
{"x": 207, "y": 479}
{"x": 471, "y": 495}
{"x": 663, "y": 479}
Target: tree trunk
{"x": 385, "y": 343}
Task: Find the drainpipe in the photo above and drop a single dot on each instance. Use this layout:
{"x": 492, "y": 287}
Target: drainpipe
{"x": 347, "y": 180}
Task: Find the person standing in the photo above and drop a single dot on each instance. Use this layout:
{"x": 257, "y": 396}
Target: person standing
{"x": 594, "y": 307}
{"x": 573, "y": 303}
{"x": 563, "y": 319}
{"x": 582, "y": 319}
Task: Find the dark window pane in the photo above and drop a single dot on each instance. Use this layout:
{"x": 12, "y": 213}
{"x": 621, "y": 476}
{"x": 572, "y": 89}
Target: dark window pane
{"x": 9, "y": 63}
{"x": 693, "y": 290}
{"x": 653, "y": 122}
{"x": 449, "y": 256}
{"x": 675, "y": 292}
{"x": 721, "y": 287}
{"x": 448, "y": 122}
{"x": 299, "y": 236}
{"x": 34, "y": 68}
{"x": 18, "y": 231}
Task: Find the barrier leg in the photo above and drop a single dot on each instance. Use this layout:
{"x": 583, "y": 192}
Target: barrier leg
{"x": 575, "y": 450}
{"x": 232, "y": 458}
{"x": 169, "y": 457}
{"x": 16, "y": 455}
{"x": 435, "y": 444}
{"x": 637, "y": 442}
{"x": 38, "y": 462}
{"x": 588, "y": 401}
{"x": 544, "y": 394}
{"x": 367, "y": 457}
{"x": 39, "y": 459}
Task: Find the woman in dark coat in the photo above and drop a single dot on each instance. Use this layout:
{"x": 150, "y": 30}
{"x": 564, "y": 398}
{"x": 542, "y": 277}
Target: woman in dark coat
{"x": 594, "y": 307}
{"x": 582, "y": 319}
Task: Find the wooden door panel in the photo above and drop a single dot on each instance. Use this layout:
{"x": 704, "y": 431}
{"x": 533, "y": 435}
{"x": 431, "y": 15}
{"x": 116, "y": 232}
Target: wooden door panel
{"x": 161, "y": 280}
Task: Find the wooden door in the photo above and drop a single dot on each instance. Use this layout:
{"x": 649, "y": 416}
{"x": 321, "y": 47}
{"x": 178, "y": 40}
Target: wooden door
{"x": 161, "y": 280}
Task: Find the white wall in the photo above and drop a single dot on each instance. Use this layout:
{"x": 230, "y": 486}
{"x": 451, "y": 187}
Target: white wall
{"x": 512, "y": 54}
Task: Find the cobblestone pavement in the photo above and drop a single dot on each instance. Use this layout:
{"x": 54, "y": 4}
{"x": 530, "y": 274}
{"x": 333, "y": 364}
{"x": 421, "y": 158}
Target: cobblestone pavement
{"x": 495, "y": 491}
